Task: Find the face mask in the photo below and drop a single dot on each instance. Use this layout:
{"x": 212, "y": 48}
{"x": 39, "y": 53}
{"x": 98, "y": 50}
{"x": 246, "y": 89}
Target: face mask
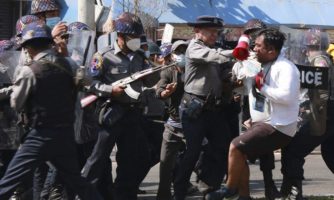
{"x": 133, "y": 44}
{"x": 147, "y": 54}
{"x": 52, "y": 21}
{"x": 180, "y": 59}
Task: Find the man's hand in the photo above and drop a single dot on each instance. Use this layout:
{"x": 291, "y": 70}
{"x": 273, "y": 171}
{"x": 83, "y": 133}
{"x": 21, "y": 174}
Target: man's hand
{"x": 117, "y": 90}
{"x": 59, "y": 29}
{"x": 259, "y": 81}
{"x": 170, "y": 88}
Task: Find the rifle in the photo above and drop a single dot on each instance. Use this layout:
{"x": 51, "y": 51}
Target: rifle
{"x": 126, "y": 82}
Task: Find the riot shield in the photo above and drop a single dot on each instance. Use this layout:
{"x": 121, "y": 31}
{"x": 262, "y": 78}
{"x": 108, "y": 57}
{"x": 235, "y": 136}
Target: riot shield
{"x": 81, "y": 46}
{"x": 106, "y": 40}
{"x": 81, "y": 49}
{"x": 306, "y": 48}
{"x": 9, "y": 60}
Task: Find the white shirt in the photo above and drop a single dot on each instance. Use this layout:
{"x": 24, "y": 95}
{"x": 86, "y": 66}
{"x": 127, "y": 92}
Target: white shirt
{"x": 282, "y": 89}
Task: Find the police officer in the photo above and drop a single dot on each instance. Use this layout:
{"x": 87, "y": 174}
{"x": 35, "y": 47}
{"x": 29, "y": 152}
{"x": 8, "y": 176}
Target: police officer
{"x": 170, "y": 87}
{"x": 49, "y": 116}
{"x": 50, "y": 184}
{"x": 122, "y": 121}
{"x": 245, "y": 71}
{"x": 155, "y": 52}
{"x": 315, "y": 110}
{"x": 201, "y": 106}
{"x": 49, "y": 12}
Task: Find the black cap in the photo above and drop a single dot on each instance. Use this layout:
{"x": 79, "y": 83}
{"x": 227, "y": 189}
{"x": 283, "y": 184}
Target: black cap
{"x": 207, "y": 21}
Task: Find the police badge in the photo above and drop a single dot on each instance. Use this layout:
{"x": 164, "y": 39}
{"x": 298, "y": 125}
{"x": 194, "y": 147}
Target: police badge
{"x": 96, "y": 64}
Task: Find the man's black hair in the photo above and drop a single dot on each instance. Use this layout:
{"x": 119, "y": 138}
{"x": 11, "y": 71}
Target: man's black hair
{"x": 272, "y": 37}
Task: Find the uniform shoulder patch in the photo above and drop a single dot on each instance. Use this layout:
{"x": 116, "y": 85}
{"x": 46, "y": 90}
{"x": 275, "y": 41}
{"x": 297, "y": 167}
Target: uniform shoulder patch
{"x": 96, "y": 64}
{"x": 320, "y": 62}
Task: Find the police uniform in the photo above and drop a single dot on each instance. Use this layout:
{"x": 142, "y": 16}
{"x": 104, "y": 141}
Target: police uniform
{"x": 49, "y": 119}
{"x": 312, "y": 131}
{"x": 125, "y": 129}
{"x": 201, "y": 107}
{"x": 314, "y": 125}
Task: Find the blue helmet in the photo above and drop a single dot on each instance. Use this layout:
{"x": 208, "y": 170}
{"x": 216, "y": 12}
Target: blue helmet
{"x": 78, "y": 26}
{"x": 166, "y": 49}
{"x": 39, "y": 6}
{"x": 23, "y": 21}
{"x": 6, "y": 45}
{"x": 129, "y": 23}
{"x": 36, "y": 30}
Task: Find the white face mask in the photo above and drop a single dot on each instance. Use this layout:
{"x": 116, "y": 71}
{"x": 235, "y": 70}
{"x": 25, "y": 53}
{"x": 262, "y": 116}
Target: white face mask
{"x": 147, "y": 54}
{"x": 52, "y": 21}
{"x": 133, "y": 44}
{"x": 180, "y": 59}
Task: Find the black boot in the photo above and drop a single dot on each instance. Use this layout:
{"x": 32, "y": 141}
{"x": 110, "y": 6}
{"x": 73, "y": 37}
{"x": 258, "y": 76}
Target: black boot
{"x": 271, "y": 192}
{"x": 285, "y": 187}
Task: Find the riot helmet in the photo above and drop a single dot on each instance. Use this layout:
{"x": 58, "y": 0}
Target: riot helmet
{"x": 74, "y": 26}
{"x": 39, "y": 6}
{"x": 254, "y": 25}
{"x": 316, "y": 39}
{"x": 6, "y": 45}
{"x": 36, "y": 31}
{"x": 23, "y": 21}
{"x": 130, "y": 24}
{"x": 154, "y": 48}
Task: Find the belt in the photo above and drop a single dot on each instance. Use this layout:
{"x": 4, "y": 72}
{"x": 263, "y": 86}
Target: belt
{"x": 204, "y": 98}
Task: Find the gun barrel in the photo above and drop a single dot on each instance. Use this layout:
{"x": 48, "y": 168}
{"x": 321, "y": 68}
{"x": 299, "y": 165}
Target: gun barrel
{"x": 91, "y": 98}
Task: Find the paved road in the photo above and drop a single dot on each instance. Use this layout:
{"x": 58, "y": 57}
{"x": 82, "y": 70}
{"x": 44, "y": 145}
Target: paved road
{"x": 318, "y": 179}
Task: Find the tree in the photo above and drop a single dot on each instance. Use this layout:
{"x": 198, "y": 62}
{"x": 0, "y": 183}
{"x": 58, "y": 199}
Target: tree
{"x": 154, "y": 7}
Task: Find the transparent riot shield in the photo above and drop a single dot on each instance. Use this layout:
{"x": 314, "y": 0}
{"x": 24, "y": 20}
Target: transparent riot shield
{"x": 81, "y": 46}
{"x": 106, "y": 40}
{"x": 81, "y": 49}
{"x": 9, "y": 131}
{"x": 9, "y": 60}
{"x": 307, "y": 49}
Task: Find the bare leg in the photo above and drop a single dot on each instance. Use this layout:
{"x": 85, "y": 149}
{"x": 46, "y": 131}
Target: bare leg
{"x": 237, "y": 168}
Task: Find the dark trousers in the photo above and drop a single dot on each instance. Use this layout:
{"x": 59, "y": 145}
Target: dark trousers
{"x": 153, "y": 131}
{"x": 293, "y": 156}
{"x": 213, "y": 126}
{"x": 132, "y": 154}
{"x": 171, "y": 145}
{"x": 57, "y": 146}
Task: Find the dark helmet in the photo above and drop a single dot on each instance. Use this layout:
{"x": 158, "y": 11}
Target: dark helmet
{"x": 23, "y": 21}
{"x": 6, "y": 45}
{"x": 316, "y": 38}
{"x": 36, "y": 30}
{"x": 129, "y": 23}
{"x": 78, "y": 26}
{"x": 38, "y": 6}
{"x": 166, "y": 49}
{"x": 143, "y": 40}
{"x": 153, "y": 48}
{"x": 253, "y": 25}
